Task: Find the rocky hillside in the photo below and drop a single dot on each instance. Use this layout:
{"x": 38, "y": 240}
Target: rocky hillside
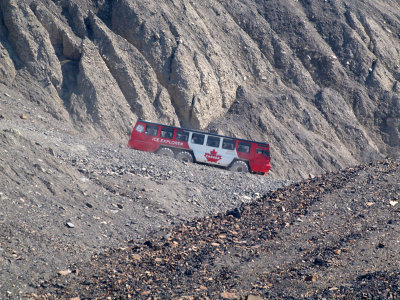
{"x": 318, "y": 80}
{"x": 65, "y": 196}
{"x": 82, "y": 215}
{"x": 326, "y": 238}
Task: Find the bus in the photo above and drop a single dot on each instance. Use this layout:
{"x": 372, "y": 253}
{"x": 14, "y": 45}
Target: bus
{"x": 238, "y": 155}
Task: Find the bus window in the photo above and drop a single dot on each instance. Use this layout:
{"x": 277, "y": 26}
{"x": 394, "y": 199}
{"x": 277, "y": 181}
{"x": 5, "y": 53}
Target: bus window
{"x": 198, "y": 139}
{"x": 151, "y": 130}
{"x": 243, "y": 147}
{"x": 265, "y": 152}
{"x": 228, "y": 144}
{"x": 182, "y": 136}
{"x": 213, "y": 141}
{"x": 167, "y": 133}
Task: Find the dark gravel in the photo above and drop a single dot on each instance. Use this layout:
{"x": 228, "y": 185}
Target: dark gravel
{"x": 335, "y": 236}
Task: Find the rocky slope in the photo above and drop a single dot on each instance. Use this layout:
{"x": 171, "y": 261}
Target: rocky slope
{"x": 65, "y": 196}
{"x": 318, "y": 80}
{"x": 84, "y": 217}
{"x": 330, "y": 237}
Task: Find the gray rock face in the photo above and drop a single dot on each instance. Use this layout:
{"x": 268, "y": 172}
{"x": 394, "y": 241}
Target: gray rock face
{"x": 318, "y": 80}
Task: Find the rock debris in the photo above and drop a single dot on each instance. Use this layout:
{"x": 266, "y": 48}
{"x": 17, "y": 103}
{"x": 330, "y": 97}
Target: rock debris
{"x": 326, "y": 244}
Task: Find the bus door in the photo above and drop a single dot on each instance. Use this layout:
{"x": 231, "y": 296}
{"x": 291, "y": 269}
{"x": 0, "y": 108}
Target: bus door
{"x": 212, "y": 150}
{"x": 228, "y": 151}
{"x": 196, "y": 144}
{"x": 243, "y": 150}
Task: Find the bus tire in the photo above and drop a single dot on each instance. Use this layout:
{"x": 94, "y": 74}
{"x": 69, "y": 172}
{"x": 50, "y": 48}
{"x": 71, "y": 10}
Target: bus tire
{"x": 165, "y": 152}
{"x": 239, "y": 166}
{"x": 184, "y": 156}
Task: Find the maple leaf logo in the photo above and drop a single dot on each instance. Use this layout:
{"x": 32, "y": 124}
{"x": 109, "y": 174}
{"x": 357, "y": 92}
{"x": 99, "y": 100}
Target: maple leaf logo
{"x": 213, "y": 156}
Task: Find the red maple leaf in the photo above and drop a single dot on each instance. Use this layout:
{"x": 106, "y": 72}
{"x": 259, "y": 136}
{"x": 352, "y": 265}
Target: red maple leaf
{"x": 212, "y": 156}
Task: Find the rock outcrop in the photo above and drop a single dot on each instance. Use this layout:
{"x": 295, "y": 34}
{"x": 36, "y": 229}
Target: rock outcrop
{"x": 318, "y": 80}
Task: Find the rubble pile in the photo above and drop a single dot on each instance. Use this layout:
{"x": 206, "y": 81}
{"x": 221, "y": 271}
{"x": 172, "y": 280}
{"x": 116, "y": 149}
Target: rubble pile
{"x": 331, "y": 236}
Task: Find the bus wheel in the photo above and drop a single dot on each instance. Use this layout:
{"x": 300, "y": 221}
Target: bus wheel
{"x": 184, "y": 156}
{"x": 165, "y": 152}
{"x": 239, "y": 166}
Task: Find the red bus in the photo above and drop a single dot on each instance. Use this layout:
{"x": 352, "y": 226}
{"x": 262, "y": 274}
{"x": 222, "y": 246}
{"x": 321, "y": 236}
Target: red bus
{"x": 189, "y": 145}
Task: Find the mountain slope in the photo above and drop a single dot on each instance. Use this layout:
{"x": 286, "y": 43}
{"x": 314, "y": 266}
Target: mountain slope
{"x": 318, "y": 80}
